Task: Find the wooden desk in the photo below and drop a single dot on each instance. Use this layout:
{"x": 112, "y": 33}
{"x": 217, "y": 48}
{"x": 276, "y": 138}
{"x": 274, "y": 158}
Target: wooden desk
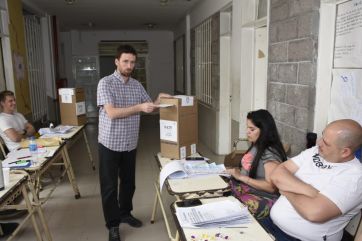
{"x": 250, "y": 232}
{"x": 19, "y": 183}
{"x": 202, "y": 186}
{"x": 42, "y": 164}
{"x": 73, "y": 136}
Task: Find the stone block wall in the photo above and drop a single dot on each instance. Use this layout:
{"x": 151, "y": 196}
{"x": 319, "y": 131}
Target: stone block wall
{"x": 293, "y": 49}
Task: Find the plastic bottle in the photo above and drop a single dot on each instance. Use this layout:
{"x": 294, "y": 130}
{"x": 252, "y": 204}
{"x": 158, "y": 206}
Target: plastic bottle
{"x": 2, "y": 181}
{"x": 33, "y": 147}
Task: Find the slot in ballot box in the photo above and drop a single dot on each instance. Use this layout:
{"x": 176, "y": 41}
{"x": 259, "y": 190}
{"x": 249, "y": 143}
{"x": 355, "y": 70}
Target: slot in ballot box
{"x": 178, "y": 126}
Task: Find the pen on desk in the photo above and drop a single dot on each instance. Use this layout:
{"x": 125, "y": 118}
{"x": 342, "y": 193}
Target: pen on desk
{"x": 18, "y": 161}
{"x": 23, "y": 157}
{"x": 195, "y": 158}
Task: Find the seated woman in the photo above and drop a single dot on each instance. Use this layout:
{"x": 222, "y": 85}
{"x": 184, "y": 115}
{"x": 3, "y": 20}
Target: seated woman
{"x": 252, "y": 185}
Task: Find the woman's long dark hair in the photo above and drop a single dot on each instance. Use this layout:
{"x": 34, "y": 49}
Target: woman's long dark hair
{"x": 268, "y": 138}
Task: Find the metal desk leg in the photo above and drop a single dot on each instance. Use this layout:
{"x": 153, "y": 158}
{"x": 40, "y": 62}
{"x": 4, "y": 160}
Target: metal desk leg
{"x": 88, "y": 149}
{"x": 31, "y": 213}
{"x": 40, "y": 212}
{"x": 158, "y": 196}
{"x": 154, "y": 209}
{"x": 70, "y": 172}
{"x": 177, "y": 237}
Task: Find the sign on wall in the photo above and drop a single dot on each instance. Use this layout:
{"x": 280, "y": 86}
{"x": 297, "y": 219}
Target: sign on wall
{"x": 348, "y": 44}
{"x": 346, "y": 95}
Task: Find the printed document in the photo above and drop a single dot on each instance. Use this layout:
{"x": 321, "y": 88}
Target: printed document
{"x": 224, "y": 213}
{"x": 182, "y": 169}
{"x": 61, "y": 129}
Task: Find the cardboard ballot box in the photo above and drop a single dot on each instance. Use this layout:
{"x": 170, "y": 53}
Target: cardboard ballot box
{"x": 178, "y": 127}
{"x": 72, "y": 106}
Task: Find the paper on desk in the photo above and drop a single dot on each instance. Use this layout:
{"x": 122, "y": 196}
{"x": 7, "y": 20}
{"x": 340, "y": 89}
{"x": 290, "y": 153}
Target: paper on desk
{"x": 16, "y": 164}
{"x": 177, "y": 169}
{"x": 224, "y": 213}
{"x": 24, "y": 154}
{"x": 21, "y": 153}
{"x": 51, "y": 135}
{"x": 164, "y": 105}
{"x": 57, "y": 130}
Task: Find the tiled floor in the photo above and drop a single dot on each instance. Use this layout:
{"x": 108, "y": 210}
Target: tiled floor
{"x": 80, "y": 220}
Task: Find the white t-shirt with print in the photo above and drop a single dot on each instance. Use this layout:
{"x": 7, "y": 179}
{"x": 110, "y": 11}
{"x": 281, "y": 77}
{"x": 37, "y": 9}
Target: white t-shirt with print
{"x": 339, "y": 182}
{"x": 7, "y": 121}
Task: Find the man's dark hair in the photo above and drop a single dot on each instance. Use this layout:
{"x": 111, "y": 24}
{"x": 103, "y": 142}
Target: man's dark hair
{"x": 5, "y": 93}
{"x": 125, "y": 49}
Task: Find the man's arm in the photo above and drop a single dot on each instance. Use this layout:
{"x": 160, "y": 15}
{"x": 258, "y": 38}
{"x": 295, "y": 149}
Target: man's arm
{"x": 284, "y": 179}
{"x": 116, "y": 112}
{"x": 317, "y": 209}
{"x": 16, "y": 136}
{"x": 29, "y": 128}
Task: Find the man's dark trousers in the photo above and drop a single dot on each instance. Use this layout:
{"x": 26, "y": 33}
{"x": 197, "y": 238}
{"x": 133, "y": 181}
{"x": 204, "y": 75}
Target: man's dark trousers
{"x": 115, "y": 165}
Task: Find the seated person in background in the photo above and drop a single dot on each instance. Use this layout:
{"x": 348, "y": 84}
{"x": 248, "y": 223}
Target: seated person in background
{"x": 321, "y": 188}
{"x": 13, "y": 125}
{"x": 252, "y": 185}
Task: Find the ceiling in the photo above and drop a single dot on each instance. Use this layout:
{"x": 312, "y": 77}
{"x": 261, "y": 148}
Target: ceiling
{"x": 115, "y": 14}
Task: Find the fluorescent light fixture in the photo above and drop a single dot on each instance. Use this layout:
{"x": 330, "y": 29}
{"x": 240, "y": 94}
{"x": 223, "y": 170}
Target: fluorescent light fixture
{"x": 70, "y": 2}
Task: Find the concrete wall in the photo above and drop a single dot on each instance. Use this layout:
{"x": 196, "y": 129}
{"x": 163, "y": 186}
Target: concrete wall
{"x": 293, "y": 47}
{"x": 161, "y": 61}
{"x": 207, "y": 124}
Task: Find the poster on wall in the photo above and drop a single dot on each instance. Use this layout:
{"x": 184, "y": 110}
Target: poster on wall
{"x": 346, "y": 95}
{"x": 348, "y": 32}
{"x": 19, "y": 66}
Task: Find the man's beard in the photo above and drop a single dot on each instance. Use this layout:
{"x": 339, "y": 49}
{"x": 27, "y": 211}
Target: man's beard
{"x": 126, "y": 73}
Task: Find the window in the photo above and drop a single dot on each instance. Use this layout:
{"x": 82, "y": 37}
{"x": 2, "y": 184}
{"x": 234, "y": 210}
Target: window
{"x": 35, "y": 61}
{"x": 203, "y": 62}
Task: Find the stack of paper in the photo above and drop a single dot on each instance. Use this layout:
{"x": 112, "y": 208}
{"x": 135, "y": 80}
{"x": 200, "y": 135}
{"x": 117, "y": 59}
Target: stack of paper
{"x": 49, "y": 132}
{"x": 182, "y": 169}
{"x": 224, "y": 213}
{"x": 203, "y": 168}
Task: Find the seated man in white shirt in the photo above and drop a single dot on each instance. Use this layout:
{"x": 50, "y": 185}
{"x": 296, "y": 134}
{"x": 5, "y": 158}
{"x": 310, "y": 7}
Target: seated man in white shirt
{"x": 321, "y": 188}
{"x": 13, "y": 125}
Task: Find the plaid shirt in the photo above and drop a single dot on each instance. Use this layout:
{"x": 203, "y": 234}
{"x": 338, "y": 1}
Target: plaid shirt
{"x": 119, "y": 134}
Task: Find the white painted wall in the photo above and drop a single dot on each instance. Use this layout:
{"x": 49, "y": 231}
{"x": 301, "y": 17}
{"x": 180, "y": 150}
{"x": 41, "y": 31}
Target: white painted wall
{"x": 325, "y": 65}
{"x": 161, "y": 61}
{"x": 236, "y": 60}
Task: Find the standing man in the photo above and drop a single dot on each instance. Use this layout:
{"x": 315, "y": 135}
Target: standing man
{"x": 13, "y": 125}
{"x": 121, "y": 99}
{"x": 321, "y": 188}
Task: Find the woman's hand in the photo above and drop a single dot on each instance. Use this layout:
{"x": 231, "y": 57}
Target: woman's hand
{"x": 235, "y": 172}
